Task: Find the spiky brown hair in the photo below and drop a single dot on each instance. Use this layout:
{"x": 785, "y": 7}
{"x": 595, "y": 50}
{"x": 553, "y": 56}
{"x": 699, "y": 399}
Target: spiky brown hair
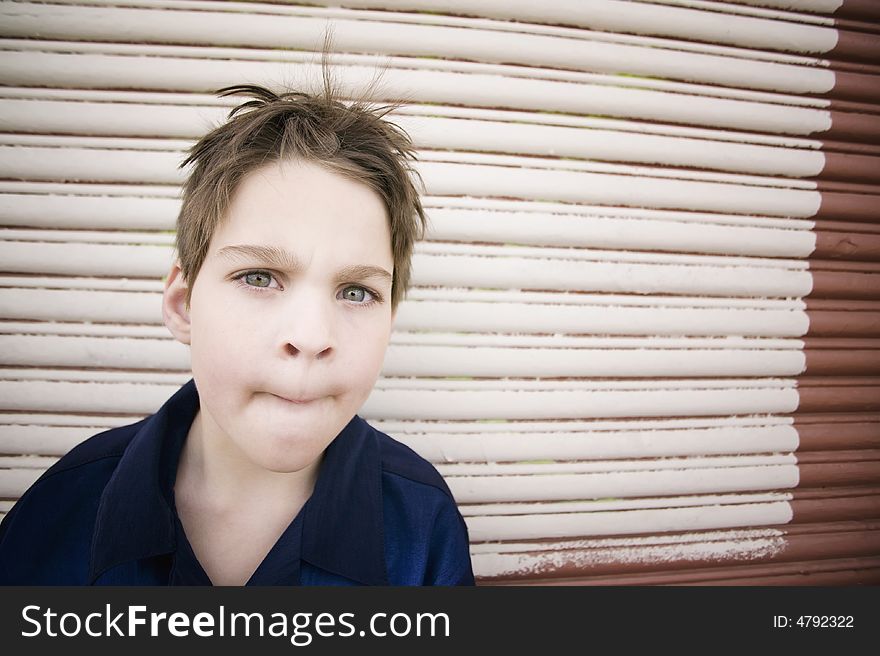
{"x": 354, "y": 140}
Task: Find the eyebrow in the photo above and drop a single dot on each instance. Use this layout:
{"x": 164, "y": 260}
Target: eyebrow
{"x": 281, "y": 259}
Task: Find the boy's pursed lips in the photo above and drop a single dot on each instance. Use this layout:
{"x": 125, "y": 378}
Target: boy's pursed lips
{"x": 298, "y": 400}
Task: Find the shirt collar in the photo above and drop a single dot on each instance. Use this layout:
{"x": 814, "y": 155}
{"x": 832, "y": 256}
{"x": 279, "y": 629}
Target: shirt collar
{"x": 342, "y": 521}
{"x": 343, "y": 528}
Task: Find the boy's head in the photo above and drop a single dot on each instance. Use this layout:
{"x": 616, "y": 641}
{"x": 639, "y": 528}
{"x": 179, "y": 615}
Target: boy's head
{"x": 351, "y": 140}
{"x": 294, "y": 241}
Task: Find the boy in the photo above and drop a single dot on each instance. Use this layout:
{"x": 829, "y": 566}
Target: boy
{"x": 294, "y": 241}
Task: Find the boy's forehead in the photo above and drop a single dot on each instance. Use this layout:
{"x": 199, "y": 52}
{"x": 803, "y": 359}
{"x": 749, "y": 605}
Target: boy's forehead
{"x": 294, "y": 184}
{"x": 300, "y": 207}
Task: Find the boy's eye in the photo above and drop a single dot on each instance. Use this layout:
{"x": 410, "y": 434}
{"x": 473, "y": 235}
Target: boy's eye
{"x": 356, "y": 294}
{"x": 258, "y": 279}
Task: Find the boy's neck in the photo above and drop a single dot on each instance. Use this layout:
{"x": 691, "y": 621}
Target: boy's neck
{"x": 214, "y": 470}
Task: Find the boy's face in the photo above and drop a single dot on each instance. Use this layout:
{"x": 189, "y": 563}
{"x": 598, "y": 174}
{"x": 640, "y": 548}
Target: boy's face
{"x": 290, "y": 314}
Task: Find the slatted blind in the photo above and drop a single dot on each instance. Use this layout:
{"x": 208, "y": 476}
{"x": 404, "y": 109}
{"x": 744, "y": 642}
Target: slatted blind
{"x": 642, "y": 342}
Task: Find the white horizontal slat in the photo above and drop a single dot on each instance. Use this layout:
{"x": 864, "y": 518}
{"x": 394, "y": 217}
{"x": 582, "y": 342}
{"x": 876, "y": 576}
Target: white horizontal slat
{"x": 523, "y": 273}
{"x": 30, "y": 282}
{"x": 83, "y": 329}
{"x": 527, "y": 207}
{"x": 71, "y": 305}
{"x": 95, "y": 212}
{"x": 569, "y": 385}
{"x": 554, "y": 298}
{"x": 597, "y": 255}
{"x": 74, "y": 189}
{"x": 455, "y": 340}
{"x": 453, "y": 270}
{"x": 85, "y": 352}
{"x": 45, "y": 440}
{"x": 507, "y": 250}
{"x": 506, "y": 447}
{"x": 527, "y": 228}
{"x": 457, "y": 384}
{"x": 129, "y": 237}
{"x": 743, "y": 10}
{"x": 427, "y": 361}
{"x": 818, "y": 6}
{"x": 629, "y": 234}
{"x": 629, "y": 522}
{"x": 426, "y": 86}
{"x": 466, "y": 384}
{"x": 427, "y": 157}
{"x": 466, "y": 471}
{"x": 643, "y": 363}
{"x": 530, "y": 229}
{"x": 558, "y": 340}
{"x": 89, "y": 142}
{"x": 597, "y": 188}
{"x": 74, "y": 305}
{"x": 496, "y": 489}
{"x": 608, "y": 145}
{"x": 626, "y": 541}
{"x": 94, "y": 423}
{"x": 754, "y": 8}
{"x": 27, "y": 462}
{"x": 37, "y": 148}
{"x": 76, "y": 206}
{"x": 538, "y": 562}
{"x": 569, "y": 165}
{"x": 517, "y": 177}
{"x": 441, "y": 447}
{"x": 442, "y": 404}
{"x": 90, "y": 164}
{"x": 175, "y": 102}
{"x": 134, "y": 398}
{"x": 102, "y": 118}
{"x": 304, "y": 32}
{"x": 427, "y": 249}
{"x": 456, "y": 295}
{"x": 434, "y": 400}
{"x": 56, "y": 434}
{"x": 171, "y": 380}
{"x": 601, "y": 505}
{"x": 422, "y": 428}
{"x": 755, "y": 29}
{"x": 13, "y": 482}
{"x": 86, "y": 259}
{"x": 548, "y": 488}
{"x": 602, "y": 123}
{"x": 105, "y": 119}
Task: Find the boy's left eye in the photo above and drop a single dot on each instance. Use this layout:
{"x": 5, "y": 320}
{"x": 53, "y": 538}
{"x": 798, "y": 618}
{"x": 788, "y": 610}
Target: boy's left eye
{"x": 356, "y": 294}
{"x": 258, "y": 279}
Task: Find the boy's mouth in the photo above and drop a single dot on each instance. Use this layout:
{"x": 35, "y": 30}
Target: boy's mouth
{"x": 298, "y": 401}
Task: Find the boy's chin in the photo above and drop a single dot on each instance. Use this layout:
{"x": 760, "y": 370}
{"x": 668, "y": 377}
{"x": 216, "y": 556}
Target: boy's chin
{"x": 286, "y": 448}
{"x": 287, "y": 463}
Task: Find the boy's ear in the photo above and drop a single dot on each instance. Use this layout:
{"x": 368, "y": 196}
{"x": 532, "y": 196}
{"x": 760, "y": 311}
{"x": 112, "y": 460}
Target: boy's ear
{"x": 175, "y": 311}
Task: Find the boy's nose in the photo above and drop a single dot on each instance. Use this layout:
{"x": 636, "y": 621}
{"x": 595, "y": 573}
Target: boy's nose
{"x": 308, "y": 331}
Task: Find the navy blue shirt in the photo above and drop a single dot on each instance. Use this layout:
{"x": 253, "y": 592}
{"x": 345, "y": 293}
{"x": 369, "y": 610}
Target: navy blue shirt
{"x": 104, "y": 515}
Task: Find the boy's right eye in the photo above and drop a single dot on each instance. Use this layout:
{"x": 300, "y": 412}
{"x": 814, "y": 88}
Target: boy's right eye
{"x": 256, "y": 280}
